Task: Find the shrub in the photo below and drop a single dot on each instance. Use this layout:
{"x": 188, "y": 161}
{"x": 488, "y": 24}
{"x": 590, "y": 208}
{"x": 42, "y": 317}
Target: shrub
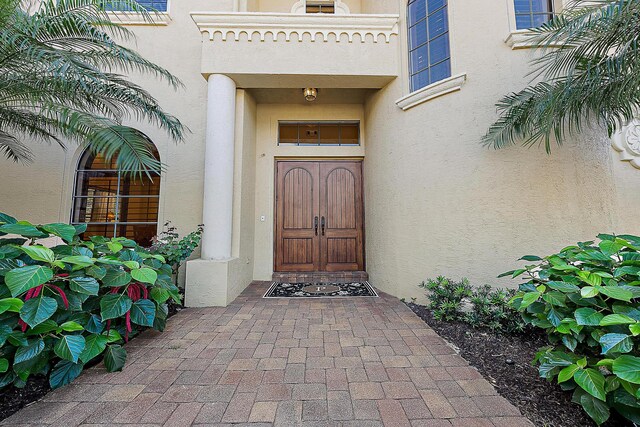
{"x": 174, "y": 249}
{"x": 446, "y": 297}
{"x": 586, "y": 299}
{"x": 66, "y": 306}
{"x": 491, "y": 309}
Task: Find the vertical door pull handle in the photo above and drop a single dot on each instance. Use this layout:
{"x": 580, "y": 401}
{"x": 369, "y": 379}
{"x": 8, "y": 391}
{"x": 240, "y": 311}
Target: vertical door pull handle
{"x": 322, "y": 224}
{"x": 315, "y": 224}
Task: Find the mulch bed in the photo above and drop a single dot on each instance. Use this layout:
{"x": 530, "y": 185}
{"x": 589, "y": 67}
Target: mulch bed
{"x": 12, "y": 399}
{"x": 505, "y": 361}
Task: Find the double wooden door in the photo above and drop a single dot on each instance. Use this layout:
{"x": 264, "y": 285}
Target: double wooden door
{"x": 319, "y": 216}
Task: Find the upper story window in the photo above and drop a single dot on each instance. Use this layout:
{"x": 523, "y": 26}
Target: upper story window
{"x": 429, "y": 54}
{"x": 319, "y": 133}
{"x": 320, "y": 7}
{"x": 153, "y": 5}
{"x": 114, "y": 204}
{"x": 532, "y": 13}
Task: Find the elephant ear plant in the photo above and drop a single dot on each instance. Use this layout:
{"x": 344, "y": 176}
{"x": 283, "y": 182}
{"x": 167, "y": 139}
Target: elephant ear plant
{"x": 65, "y": 306}
{"x": 586, "y": 298}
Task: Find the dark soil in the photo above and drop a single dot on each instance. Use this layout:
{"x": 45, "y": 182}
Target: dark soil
{"x": 505, "y": 361}
{"x": 12, "y": 399}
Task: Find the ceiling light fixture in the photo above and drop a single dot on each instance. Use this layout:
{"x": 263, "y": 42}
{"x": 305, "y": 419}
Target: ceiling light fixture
{"x": 310, "y": 94}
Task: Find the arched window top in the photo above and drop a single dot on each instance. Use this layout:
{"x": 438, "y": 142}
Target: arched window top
{"x": 112, "y": 203}
{"x": 429, "y": 53}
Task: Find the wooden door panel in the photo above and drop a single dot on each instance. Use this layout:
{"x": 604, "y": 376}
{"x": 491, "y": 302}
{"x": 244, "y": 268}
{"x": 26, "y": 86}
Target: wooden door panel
{"x": 341, "y": 207}
{"x": 297, "y": 204}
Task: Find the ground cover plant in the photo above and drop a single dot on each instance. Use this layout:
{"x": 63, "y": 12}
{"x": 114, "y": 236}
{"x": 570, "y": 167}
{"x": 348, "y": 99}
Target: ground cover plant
{"x": 586, "y": 298}
{"x": 174, "y": 249}
{"x": 65, "y": 306}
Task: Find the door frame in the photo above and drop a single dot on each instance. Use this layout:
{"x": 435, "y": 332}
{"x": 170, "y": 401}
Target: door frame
{"x": 277, "y": 160}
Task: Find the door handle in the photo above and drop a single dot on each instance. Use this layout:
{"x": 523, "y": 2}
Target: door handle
{"x": 322, "y": 223}
{"x": 315, "y": 224}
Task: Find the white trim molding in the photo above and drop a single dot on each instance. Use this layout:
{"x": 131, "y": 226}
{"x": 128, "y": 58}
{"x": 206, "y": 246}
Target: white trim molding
{"x": 251, "y": 23}
{"x": 627, "y": 143}
{"x": 434, "y": 90}
{"x": 132, "y": 18}
{"x": 523, "y": 39}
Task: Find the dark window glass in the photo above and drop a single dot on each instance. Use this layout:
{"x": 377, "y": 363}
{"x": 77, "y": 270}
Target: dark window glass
{"x": 320, "y": 7}
{"x": 532, "y": 13}
{"x": 319, "y": 133}
{"x": 154, "y": 5}
{"x": 114, "y": 204}
{"x": 429, "y": 50}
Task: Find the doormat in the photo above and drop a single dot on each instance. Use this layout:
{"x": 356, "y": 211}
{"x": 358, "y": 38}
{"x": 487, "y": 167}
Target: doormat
{"x": 320, "y": 290}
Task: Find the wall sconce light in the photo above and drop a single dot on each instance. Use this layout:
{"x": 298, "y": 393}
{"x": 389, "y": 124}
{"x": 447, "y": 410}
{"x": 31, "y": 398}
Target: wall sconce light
{"x": 310, "y": 94}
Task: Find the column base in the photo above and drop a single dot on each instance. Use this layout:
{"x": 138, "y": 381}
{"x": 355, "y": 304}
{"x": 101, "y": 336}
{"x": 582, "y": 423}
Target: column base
{"x": 215, "y": 283}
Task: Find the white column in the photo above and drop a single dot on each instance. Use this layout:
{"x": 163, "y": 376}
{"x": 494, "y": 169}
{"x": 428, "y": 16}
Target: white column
{"x": 217, "y": 208}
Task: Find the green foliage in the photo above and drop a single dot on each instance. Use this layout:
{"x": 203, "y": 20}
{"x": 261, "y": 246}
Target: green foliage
{"x": 589, "y": 59}
{"x": 63, "y": 77}
{"x": 586, "y": 298}
{"x": 446, "y": 297}
{"x": 174, "y": 249}
{"x": 62, "y": 307}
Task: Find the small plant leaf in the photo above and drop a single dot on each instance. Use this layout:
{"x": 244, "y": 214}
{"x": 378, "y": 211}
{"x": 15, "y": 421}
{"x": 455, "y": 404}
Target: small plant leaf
{"x": 145, "y": 275}
{"x": 11, "y": 304}
{"x": 69, "y": 347}
{"x": 143, "y": 312}
{"x": 627, "y": 368}
{"x": 615, "y": 343}
{"x": 588, "y": 317}
{"x": 20, "y": 280}
{"x": 114, "y": 358}
{"x": 592, "y": 382}
{"x": 37, "y": 310}
{"x": 95, "y": 345}
{"x": 114, "y": 305}
{"x": 39, "y": 253}
{"x": 64, "y": 373}
{"x": 84, "y": 285}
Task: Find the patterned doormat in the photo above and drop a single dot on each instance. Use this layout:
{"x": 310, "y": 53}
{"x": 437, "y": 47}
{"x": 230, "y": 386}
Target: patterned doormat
{"x": 320, "y": 290}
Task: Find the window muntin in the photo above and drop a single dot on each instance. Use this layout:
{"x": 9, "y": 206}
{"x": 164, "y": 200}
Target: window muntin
{"x": 114, "y": 204}
{"x": 429, "y": 50}
{"x": 152, "y": 5}
{"x": 532, "y": 13}
{"x": 320, "y": 7}
{"x": 340, "y": 133}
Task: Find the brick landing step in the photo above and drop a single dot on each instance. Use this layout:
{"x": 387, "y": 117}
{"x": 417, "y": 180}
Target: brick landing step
{"x": 321, "y": 277}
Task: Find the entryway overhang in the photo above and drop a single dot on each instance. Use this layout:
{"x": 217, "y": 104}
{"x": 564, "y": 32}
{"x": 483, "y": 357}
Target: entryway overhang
{"x": 283, "y": 50}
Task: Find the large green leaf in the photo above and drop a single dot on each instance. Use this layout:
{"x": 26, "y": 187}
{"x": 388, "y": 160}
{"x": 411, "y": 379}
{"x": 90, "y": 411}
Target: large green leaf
{"x": 10, "y": 304}
{"x": 116, "y": 278}
{"x": 85, "y": 285}
{"x": 567, "y": 373}
{"x": 95, "y": 345}
{"x": 7, "y": 219}
{"x": 4, "y": 365}
{"x": 20, "y": 280}
{"x": 78, "y": 261}
{"x": 69, "y": 347}
{"x": 64, "y": 373}
{"x": 37, "y": 310}
{"x": 627, "y": 368}
{"x": 114, "y": 358}
{"x": 26, "y": 230}
{"x": 30, "y": 351}
{"x": 39, "y": 253}
{"x": 114, "y": 305}
{"x": 592, "y": 382}
{"x": 65, "y": 231}
{"x": 595, "y": 408}
{"x": 588, "y": 317}
{"x": 94, "y": 325}
{"x": 145, "y": 275}
{"x": 143, "y": 312}
{"x": 609, "y": 248}
{"x": 616, "y": 343}
{"x": 563, "y": 287}
{"x": 616, "y": 319}
{"x": 616, "y": 292}
{"x": 589, "y": 292}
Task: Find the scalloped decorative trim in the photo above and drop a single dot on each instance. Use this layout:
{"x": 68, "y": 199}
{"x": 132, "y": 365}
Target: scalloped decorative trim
{"x": 296, "y": 26}
{"x": 627, "y": 143}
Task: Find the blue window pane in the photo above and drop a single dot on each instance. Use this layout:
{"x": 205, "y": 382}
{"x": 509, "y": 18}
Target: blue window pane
{"x": 438, "y": 23}
{"x": 522, "y": 6}
{"x": 540, "y": 6}
{"x": 434, "y": 5}
{"x": 420, "y": 80}
{"x": 419, "y": 59}
{"x": 418, "y": 34}
{"x": 417, "y": 11}
{"x": 523, "y": 22}
{"x": 438, "y": 49}
{"x": 540, "y": 19}
{"x": 532, "y": 13}
{"x": 441, "y": 71}
{"x": 155, "y": 5}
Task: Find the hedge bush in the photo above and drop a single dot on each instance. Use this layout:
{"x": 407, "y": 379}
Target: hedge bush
{"x": 586, "y": 298}
{"x": 63, "y": 307}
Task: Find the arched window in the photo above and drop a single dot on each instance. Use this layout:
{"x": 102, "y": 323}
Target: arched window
{"x": 429, "y": 55}
{"x": 114, "y": 204}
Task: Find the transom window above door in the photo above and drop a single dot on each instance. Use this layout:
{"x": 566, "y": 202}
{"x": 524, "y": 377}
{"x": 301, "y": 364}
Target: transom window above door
{"x": 319, "y": 133}
{"x": 320, "y": 7}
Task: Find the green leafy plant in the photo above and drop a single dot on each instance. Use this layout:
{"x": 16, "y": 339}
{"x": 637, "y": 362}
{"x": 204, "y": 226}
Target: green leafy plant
{"x": 64, "y": 306}
{"x": 174, "y": 249}
{"x": 586, "y": 298}
{"x": 446, "y": 297}
{"x": 491, "y": 309}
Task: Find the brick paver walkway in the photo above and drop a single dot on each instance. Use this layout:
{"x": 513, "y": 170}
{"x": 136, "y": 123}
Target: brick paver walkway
{"x": 285, "y": 362}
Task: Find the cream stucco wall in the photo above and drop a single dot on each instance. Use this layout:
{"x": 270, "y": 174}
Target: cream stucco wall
{"x": 267, "y": 151}
{"x": 440, "y": 203}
